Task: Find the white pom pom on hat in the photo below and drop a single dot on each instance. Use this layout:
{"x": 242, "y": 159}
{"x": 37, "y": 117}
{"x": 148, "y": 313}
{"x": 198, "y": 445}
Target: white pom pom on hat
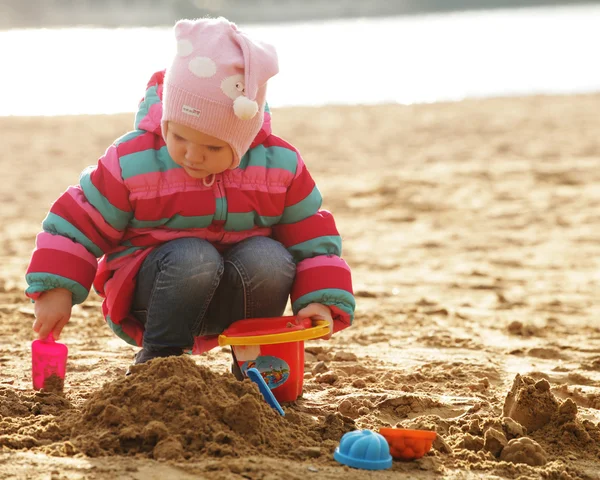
{"x": 244, "y": 108}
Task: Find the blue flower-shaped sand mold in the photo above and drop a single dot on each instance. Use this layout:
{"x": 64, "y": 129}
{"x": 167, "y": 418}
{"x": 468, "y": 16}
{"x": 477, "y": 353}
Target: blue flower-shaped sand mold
{"x": 364, "y": 449}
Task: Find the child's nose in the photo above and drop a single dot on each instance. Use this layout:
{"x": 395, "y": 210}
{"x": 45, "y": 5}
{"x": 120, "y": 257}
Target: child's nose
{"x": 193, "y": 154}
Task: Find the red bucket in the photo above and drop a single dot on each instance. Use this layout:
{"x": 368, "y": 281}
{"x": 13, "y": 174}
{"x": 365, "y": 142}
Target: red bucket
{"x": 275, "y": 347}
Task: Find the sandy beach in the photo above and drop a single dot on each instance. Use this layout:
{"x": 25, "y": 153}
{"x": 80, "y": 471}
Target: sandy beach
{"x": 472, "y": 232}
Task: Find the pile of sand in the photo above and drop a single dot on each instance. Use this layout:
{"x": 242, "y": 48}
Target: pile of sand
{"x": 54, "y": 384}
{"x": 27, "y": 418}
{"x": 534, "y": 435}
{"x": 530, "y": 403}
{"x": 170, "y": 408}
{"x": 174, "y": 409}
{"x": 22, "y": 404}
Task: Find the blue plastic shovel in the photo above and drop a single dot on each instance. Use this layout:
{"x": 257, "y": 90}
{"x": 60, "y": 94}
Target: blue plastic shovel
{"x": 256, "y": 377}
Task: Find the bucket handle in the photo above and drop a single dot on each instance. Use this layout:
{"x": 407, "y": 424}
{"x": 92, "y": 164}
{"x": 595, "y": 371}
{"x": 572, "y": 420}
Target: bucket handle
{"x": 319, "y": 330}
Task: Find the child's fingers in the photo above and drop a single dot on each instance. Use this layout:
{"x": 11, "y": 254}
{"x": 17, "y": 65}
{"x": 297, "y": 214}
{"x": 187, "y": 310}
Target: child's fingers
{"x": 59, "y": 327}
{"x": 37, "y": 325}
{"x": 45, "y": 330}
{"x": 311, "y": 311}
{"x": 56, "y": 331}
{"x": 304, "y": 313}
{"x": 46, "y": 325}
{"x": 328, "y": 336}
{"x": 317, "y": 312}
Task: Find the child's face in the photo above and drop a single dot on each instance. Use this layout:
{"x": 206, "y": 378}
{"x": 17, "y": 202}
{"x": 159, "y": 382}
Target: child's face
{"x": 199, "y": 154}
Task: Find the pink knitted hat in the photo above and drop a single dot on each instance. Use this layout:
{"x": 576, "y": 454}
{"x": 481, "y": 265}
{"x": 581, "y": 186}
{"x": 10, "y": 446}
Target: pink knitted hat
{"x": 217, "y": 82}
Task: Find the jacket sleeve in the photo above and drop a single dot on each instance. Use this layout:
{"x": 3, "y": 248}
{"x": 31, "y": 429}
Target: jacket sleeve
{"x": 84, "y": 223}
{"x": 310, "y": 235}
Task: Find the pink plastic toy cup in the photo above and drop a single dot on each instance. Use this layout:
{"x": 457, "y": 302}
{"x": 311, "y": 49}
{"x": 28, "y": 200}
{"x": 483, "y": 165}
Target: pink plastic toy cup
{"x": 48, "y": 364}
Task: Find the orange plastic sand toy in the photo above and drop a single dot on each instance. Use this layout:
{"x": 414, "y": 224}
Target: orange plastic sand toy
{"x": 408, "y": 444}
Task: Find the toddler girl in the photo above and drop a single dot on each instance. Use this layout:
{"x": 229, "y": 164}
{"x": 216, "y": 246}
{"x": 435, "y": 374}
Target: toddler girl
{"x": 199, "y": 217}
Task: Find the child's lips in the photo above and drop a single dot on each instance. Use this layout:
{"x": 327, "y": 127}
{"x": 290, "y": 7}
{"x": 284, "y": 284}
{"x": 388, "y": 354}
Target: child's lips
{"x": 195, "y": 169}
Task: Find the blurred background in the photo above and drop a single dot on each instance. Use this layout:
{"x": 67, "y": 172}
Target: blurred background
{"x": 95, "y": 56}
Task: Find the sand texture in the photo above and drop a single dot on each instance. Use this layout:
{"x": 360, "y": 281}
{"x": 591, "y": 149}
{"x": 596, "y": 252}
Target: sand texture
{"x": 472, "y": 230}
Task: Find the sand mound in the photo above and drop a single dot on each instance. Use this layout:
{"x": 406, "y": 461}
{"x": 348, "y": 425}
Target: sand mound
{"x": 553, "y": 423}
{"x": 524, "y": 450}
{"x": 22, "y": 404}
{"x": 532, "y": 440}
{"x": 173, "y": 409}
{"x": 28, "y": 420}
{"x": 530, "y": 403}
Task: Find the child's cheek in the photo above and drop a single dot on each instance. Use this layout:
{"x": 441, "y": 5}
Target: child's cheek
{"x": 176, "y": 152}
{"x": 170, "y": 149}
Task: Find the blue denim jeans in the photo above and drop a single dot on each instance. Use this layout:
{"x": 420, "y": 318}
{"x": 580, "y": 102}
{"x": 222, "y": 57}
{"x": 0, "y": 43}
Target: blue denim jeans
{"x": 186, "y": 287}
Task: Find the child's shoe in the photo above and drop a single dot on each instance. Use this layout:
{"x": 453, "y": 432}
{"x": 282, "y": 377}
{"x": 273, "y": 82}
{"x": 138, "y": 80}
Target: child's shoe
{"x": 146, "y": 354}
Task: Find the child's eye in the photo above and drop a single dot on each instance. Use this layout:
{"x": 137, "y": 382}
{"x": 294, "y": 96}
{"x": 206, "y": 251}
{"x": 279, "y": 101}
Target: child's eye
{"x": 215, "y": 149}
{"x": 177, "y": 137}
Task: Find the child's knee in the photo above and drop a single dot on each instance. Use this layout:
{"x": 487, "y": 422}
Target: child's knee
{"x": 190, "y": 254}
{"x": 261, "y": 264}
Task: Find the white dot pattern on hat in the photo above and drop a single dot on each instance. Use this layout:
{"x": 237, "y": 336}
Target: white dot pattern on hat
{"x": 184, "y": 48}
{"x": 229, "y": 86}
{"x": 202, "y": 67}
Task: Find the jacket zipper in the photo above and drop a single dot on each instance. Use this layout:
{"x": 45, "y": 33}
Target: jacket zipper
{"x": 221, "y": 201}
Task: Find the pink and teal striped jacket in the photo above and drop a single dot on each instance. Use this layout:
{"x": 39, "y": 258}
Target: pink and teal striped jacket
{"x": 137, "y": 198}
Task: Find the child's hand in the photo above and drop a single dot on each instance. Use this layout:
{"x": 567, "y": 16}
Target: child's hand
{"x": 317, "y": 311}
{"x": 52, "y": 312}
